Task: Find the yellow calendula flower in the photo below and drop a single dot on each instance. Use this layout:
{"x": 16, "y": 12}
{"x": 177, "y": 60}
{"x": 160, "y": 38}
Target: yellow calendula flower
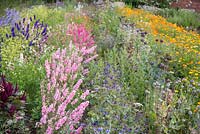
{"x": 198, "y": 103}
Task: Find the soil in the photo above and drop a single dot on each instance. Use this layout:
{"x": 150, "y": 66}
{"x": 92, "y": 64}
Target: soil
{"x": 187, "y": 4}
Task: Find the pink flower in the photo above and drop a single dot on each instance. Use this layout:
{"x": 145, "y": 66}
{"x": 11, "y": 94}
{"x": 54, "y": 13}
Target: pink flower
{"x": 19, "y": 117}
{"x": 78, "y": 131}
{"x": 85, "y": 71}
{"x": 78, "y": 112}
{"x": 49, "y": 130}
{"x": 89, "y": 59}
{"x": 62, "y": 71}
{"x": 77, "y": 85}
{"x": 57, "y": 95}
{"x": 60, "y": 123}
{"x": 86, "y": 93}
{"x": 74, "y": 101}
{"x": 43, "y": 120}
{"x": 47, "y": 67}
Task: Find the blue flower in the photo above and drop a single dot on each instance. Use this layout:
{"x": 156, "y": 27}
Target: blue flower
{"x": 108, "y": 131}
{"x": 27, "y": 36}
{"x": 11, "y": 17}
{"x": 100, "y": 129}
{"x": 31, "y": 43}
{"x": 23, "y": 20}
{"x": 13, "y": 32}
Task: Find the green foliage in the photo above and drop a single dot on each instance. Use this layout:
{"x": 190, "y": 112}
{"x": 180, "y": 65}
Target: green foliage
{"x": 28, "y": 77}
{"x": 51, "y": 16}
{"x": 107, "y": 30}
{"x": 113, "y": 105}
{"x": 135, "y": 3}
{"x": 157, "y": 3}
{"x": 10, "y": 48}
{"x": 181, "y": 17}
{"x": 160, "y": 3}
{"x": 17, "y": 4}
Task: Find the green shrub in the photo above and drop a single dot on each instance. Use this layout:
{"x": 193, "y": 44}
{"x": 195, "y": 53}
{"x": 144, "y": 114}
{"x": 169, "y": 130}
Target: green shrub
{"x": 10, "y": 49}
{"x": 107, "y": 30}
{"x": 181, "y": 17}
{"x": 51, "y": 16}
{"x": 28, "y": 76}
{"x": 157, "y": 3}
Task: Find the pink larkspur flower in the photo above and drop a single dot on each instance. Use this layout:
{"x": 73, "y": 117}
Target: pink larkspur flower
{"x": 85, "y": 94}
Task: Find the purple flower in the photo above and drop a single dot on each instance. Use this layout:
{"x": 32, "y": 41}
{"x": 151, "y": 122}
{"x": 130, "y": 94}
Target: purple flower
{"x": 100, "y": 129}
{"x": 23, "y": 97}
{"x": 27, "y": 29}
{"x": 11, "y": 17}
{"x": 13, "y": 32}
{"x": 12, "y": 109}
{"x": 23, "y": 20}
{"x": 7, "y": 36}
{"x": 44, "y": 30}
{"x": 31, "y": 43}
{"x": 17, "y": 26}
{"x": 36, "y": 23}
{"x": 27, "y": 36}
{"x": 108, "y": 131}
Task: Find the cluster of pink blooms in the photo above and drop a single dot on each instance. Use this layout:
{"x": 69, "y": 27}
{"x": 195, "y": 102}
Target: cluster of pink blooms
{"x": 64, "y": 75}
{"x": 83, "y": 40}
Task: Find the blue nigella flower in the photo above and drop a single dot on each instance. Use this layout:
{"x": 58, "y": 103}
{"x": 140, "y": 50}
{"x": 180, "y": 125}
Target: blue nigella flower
{"x": 100, "y": 129}
{"x": 95, "y": 123}
{"x": 108, "y": 131}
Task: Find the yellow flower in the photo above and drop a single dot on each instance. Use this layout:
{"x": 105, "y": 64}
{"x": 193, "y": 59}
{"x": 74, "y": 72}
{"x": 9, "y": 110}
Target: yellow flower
{"x": 176, "y": 91}
{"x": 190, "y": 72}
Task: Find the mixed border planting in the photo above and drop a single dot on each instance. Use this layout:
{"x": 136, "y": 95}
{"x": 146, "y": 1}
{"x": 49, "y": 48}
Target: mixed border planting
{"x": 79, "y": 68}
